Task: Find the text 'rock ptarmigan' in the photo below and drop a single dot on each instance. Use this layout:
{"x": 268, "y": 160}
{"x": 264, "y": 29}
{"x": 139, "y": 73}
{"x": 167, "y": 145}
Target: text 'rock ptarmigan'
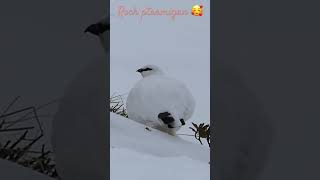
{"x": 160, "y": 101}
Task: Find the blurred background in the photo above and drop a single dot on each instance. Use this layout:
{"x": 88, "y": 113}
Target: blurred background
{"x": 42, "y": 48}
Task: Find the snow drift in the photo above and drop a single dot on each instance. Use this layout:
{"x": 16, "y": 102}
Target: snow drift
{"x": 137, "y": 153}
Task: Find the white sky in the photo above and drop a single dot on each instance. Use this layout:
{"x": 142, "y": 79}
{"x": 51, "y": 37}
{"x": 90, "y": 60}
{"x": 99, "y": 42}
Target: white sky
{"x": 180, "y": 47}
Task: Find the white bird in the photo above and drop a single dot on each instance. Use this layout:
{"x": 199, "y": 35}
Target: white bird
{"x": 159, "y": 101}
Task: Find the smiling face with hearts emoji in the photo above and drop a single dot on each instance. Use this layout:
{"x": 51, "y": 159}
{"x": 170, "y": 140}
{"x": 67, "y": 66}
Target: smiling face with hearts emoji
{"x": 196, "y": 10}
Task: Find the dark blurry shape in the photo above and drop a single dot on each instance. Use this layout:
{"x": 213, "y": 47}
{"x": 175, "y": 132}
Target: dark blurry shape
{"x": 243, "y": 133}
{"x": 98, "y": 28}
{"x": 39, "y": 60}
{"x": 80, "y": 128}
{"x": 102, "y": 30}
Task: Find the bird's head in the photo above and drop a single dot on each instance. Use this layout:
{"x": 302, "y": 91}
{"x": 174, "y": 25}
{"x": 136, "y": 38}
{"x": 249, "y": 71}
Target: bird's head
{"x": 99, "y": 27}
{"x": 149, "y": 70}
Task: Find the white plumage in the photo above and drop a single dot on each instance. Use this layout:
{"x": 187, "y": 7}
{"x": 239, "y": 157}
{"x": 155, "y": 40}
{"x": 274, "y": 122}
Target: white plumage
{"x": 156, "y": 93}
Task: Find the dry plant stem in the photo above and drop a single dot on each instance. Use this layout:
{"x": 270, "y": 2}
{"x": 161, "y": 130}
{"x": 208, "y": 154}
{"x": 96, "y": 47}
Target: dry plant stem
{"x": 19, "y": 150}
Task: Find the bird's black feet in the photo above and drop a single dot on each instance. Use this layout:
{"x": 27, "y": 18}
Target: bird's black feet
{"x": 170, "y": 126}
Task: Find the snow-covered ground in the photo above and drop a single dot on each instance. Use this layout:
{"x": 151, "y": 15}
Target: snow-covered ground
{"x": 137, "y": 153}
{"x": 12, "y": 171}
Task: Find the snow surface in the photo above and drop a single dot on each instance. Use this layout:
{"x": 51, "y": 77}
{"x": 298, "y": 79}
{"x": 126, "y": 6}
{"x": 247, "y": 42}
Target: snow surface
{"x": 137, "y": 153}
{"x": 12, "y": 171}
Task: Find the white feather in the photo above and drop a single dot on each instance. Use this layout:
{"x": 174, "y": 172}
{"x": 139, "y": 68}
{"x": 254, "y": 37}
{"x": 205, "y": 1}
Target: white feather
{"x": 157, "y": 93}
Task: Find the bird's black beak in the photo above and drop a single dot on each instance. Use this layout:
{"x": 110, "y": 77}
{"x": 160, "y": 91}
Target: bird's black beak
{"x": 139, "y": 70}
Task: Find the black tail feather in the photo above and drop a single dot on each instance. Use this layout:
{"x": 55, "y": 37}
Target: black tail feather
{"x": 167, "y": 118}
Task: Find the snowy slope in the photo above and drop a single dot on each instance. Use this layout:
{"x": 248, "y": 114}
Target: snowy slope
{"x": 12, "y": 171}
{"x": 137, "y": 153}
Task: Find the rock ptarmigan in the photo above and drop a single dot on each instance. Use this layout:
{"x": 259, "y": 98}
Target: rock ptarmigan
{"x": 159, "y": 101}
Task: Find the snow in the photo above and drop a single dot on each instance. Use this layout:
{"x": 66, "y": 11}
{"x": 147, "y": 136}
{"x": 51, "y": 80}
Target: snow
{"x": 12, "y": 171}
{"x": 145, "y": 167}
{"x": 137, "y": 153}
{"x": 157, "y": 93}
